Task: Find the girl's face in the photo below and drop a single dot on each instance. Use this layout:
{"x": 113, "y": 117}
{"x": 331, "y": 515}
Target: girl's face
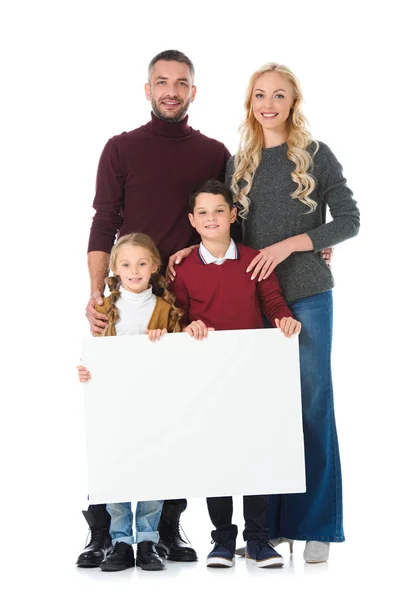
{"x": 135, "y": 266}
{"x": 272, "y": 99}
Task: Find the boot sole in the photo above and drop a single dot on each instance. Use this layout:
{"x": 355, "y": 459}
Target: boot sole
{"x": 162, "y": 553}
{"x": 115, "y": 568}
{"x": 150, "y": 567}
{"x": 180, "y": 558}
{"x": 88, "y": 564}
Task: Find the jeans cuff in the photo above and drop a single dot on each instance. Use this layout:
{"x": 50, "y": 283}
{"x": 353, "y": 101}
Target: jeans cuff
{"x": 147, "y": 536}
{"x": 128, "y": 539}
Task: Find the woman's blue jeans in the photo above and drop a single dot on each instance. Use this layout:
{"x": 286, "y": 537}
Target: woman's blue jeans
{"x": 147, "y": 518}
{"x": 317, "y": 514}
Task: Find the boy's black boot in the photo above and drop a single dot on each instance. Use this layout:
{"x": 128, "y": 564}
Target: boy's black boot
{"x": 119, "y": 559}
{"x": 100, "y": 544}
{"x": 147, "y": 557}
{"x": 171, "y": 544}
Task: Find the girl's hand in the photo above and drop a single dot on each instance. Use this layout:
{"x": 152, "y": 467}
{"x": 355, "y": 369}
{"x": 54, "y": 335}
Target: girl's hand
{"x": 198, "y": 330}
{"x": 268, "y": 259}
{"x": 83, "y": 374}
{"x": 175, "y": 259}
{"x": 288, "y": 326}
{"x": 155, "y": 334}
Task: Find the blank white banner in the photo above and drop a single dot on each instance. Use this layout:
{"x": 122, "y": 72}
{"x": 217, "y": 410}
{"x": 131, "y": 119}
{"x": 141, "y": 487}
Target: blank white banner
{"x": 181, "y": 418}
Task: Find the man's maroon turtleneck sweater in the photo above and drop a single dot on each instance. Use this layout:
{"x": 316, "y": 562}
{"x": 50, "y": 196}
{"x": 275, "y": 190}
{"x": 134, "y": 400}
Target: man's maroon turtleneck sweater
{"x": 144, "y": 181}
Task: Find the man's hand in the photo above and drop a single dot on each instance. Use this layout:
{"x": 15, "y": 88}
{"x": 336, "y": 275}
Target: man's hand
{"x": 288, "y": 326}
{"x": 327, "y": 255}
{"x": 155, "y": 334}
{"x": 97, "y": 320}
{"x": 175, "y": 259}
{"x": 198, "y": 330}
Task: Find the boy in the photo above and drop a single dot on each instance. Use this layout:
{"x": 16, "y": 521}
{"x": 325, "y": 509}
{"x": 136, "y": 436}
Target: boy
{"x": 216, "y": 293}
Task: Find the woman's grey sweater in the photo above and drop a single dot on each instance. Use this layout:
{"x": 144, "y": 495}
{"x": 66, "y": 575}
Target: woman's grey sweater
{"x": 274, "y": 216}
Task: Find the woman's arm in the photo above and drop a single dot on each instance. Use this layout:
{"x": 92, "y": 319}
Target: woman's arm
{"x": 334, "y": 193}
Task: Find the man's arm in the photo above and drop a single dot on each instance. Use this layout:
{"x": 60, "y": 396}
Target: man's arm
{"x": 98, "y": 270}
{"x": 107, "y": 221}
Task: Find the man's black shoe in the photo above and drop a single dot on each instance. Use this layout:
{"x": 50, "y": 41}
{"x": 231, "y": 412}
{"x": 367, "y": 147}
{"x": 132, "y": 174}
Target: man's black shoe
{"x": 121, "y": 558}
{"x": 147, "y": 557}
{"x": 100, "y": 544}
{"x": 171, "y": 544}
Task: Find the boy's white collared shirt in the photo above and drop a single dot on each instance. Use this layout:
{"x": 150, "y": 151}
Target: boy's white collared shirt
{"x": 207, "y": 257}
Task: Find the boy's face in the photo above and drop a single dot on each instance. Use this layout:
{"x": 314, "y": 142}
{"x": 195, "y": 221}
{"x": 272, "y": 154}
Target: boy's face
{"x": 212, "y": 217}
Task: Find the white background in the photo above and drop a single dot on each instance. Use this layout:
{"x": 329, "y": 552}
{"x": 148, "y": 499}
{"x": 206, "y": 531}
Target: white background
{"x": 73, "y": 76}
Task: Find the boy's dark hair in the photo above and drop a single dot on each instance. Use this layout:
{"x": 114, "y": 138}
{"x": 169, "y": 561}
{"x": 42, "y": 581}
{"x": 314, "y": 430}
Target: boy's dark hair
{"x": 211, "y": 186}
{"x": 171, "y": 55}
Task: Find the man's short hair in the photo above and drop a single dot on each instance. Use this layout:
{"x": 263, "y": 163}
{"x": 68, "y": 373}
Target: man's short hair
{"x": 171, "y": 55}
{"x": 211, "y": 186}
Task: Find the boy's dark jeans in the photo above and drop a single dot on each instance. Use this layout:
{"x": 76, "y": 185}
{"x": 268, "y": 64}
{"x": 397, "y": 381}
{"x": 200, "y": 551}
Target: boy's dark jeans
{"x": 254, "y": 510}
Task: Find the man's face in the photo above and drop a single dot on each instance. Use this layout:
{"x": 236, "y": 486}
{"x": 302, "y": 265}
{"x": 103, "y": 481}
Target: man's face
{"x": 170, "y": 90}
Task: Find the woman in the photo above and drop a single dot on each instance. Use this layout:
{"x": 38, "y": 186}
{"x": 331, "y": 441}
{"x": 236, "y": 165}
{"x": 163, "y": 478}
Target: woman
{"x": 283, "y": 180}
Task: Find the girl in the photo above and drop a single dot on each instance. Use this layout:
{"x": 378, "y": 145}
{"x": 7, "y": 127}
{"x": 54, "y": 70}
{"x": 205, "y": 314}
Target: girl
{"x": 283, "y": 181}
{"x": 139, "y": 303}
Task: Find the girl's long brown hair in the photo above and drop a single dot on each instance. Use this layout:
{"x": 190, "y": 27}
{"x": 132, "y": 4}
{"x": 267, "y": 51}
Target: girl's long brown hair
{"x": 158, "y": 282}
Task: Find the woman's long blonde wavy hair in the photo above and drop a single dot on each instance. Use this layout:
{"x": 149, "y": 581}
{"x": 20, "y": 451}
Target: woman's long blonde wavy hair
{"x": 158, "y": 282}
{"x": 251, "y": 144}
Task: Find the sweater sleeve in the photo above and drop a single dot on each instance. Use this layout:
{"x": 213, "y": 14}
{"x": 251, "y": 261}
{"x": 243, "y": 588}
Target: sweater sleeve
{"x": 182, "y": 300}
{"x": 108, "y": 201}
{"x": 272, "y": 301}
{"x": 335, "y": 194}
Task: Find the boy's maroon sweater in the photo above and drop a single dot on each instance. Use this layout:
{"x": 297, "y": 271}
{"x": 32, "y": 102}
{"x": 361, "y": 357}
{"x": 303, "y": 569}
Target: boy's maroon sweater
{"x": 224, "y": 296}
{"x": 144, "y": 181}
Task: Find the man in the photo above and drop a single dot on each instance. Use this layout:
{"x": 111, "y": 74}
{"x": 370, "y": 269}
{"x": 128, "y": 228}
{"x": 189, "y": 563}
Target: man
{"x": 143, "y": 183}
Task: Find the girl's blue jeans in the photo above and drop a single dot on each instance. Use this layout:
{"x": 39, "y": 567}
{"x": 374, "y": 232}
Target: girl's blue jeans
{"x": 147, "y": 519}
{"x": 317, "y": 514}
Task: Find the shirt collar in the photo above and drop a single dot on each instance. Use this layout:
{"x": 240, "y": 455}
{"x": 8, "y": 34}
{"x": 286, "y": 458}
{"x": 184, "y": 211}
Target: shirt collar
{"x": 207, "y": 258}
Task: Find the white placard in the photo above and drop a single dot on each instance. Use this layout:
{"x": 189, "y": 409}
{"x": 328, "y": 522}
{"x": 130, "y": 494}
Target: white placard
{"x": 183, "y": 418}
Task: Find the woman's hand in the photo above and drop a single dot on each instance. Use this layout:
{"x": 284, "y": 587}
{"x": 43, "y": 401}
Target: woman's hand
{"x": 288, "y": 326}
{"x": 83, "y": 374}
{"x": 268, "y": 259}
{"x": 175, "y": 259}
{"x": 198, "y": 330}
{"x": 155, "y": 334}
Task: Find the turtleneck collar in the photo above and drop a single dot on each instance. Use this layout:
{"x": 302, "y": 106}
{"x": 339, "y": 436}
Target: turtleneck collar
{"x": 167, "y": 129}
{"x": 141, "y": 297}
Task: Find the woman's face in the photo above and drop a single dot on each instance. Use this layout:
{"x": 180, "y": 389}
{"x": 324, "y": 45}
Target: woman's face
{"x": 272, "y": 98}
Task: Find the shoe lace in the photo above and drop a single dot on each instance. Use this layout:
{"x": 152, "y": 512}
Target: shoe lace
{"x": 224, "y": 543}
{"x": 96, "y": 535}
{"x": 177, "y": 531}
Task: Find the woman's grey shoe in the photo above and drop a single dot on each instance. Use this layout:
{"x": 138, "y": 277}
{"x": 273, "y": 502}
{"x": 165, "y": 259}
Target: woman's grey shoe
{"x": 316, "y": 552}
{"x": 275, "y": 542}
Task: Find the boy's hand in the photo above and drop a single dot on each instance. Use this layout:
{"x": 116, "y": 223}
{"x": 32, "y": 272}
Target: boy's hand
{"x": 175, "y": 259}
{"x": 198, "y": 330}
{"x": 288, "y": 326}
{"x": 155, "y": 334}
{"x": 83, "y": 374}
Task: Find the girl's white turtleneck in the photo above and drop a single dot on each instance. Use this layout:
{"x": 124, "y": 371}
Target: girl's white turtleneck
{"x": 135, "y": 311}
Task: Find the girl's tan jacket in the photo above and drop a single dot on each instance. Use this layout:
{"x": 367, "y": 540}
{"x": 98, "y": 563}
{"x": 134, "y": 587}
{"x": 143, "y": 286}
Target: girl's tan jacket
{"x": 160, "y": 319}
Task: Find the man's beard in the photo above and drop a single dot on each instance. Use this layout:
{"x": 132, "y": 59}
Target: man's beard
{"x": 167, "y": 117}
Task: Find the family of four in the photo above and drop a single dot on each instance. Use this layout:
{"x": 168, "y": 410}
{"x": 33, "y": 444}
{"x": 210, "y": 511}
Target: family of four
{"x": 243, "y": 240}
